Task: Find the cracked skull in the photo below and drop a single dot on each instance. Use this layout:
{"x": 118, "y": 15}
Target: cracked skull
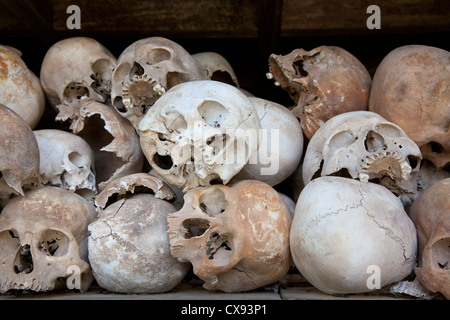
{"x": 77, "y": 67}
{"x": 146, "y": 70}
{"x": 342, "y": 228}
{"x": 430, "y": 213}
{"x": 362, "y": 145}
{"x": 323, "y": 82}
{"x": 43, "y": 240}
{"x": 200, "y": 132}
{"x": 129, "y": 245}
{"x": 66, "y": 160}
{"x": 235, "y": 237}
{"x": 19, "y": 154}
{"x": 411, "y": 88}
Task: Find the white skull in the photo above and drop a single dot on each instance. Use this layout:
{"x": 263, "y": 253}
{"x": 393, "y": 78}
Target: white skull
{"x": 237, "y": 238}
{"x": 66, "y": 160}
{"x": 77, "y": 67}
{"x": 146, "y": 70}
{"x": 344, "y": 231}
{"x": 281, "y": 144}
{"x": 20, "y": 89}
{"x": 362, "y": 145}
{"x": 128, "y": 244}
{"x": 217, "y": 67}
{"x": 43, "y": 240}
{"x": 200, "y": 132}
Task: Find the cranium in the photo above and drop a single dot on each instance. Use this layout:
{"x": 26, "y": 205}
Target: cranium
{"x": 146, "y": 70}
{"x": 115, "y": 143}
{"x": 217, "y": 67}
{"x": 77, "y": 67}
{"x": 235, "y": 237}
{"x": 323, "y": 82}
{"x": 430, "y": 213}
{"x": 20, "y": 89}
{"x": 66, "y": 160}
{"x": 43, "y": 238}
{"x": 343, "y": 230}
{"x": 281, "y": 144}
{"x": 200, "y": 132}
{"x": 19, "y": 154}
{"x": 411, "y": 88}
{"x": 128, "y": 245}
{"x": 362, "y": 145}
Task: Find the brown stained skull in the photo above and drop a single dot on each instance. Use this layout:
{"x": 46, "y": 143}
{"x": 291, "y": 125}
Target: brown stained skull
{"x": 43, "y": 241}
{"x": 323, "y": 82}
{"x": 430, "y": 213}
{"x": 411, "y": 88}
{"x": 19, "y": 154}
{"x": 237, "y": 238}
{"x": 146, "y": 70}
{"x": 115, "y": 143}
{"x": 77, "y": 67}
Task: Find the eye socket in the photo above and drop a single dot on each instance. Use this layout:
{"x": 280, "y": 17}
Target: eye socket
{"x": 213, "y": 113}
{"x": 441, "y": 253}
{"x": 9, "y": 242}
{"x": 341, "y": 140}
{"x": 157, "y": 55}
{"x": 389, "y": 130}
{"x": 213, "y": 202}
{"x": 53, "y": 243}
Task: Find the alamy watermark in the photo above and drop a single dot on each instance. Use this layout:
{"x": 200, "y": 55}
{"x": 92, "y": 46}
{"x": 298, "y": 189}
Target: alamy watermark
{"x": 374, "y": 20}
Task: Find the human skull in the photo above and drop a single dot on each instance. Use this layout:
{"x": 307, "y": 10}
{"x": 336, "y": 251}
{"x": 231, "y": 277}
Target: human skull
{"x": 237, "y": 238}
{"x": 43, "y": 238}
{"x": 77, "y": 67}
{"x": 66, "y": 160}
{"x": 129, "y": 245}
{"x": 20, "y": 89}
{"x": 115, "y": 143}
{"x": 200, "y": 132}
{"x": 323, "y": 82}
{"x": 344, "y": 229}
{"x": 146, "y": 70}
{"x": 281, "y": 144}
{"x": 362, "y": 145}
{"x": 430, "y": 213}
{"x": 217, "y": 67}
{"x": 411, "y": 88}
{"x": 19, "y": 154}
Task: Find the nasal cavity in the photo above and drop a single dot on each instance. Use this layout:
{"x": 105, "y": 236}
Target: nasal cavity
{"x": 374, "y": 141}
{"x": 23, "y": 263}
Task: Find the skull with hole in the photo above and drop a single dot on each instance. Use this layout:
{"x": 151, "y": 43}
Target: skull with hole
{"x": 43, "y": 241}
{"x": 363, "y": 145}
{"x": 430, "y": 213}
{"x": 115, "y": 143}
{"x": 129, "y": 245}
{"x": 77, "y": 67}
{"x": 199, "y": 133}
{"x": 411, "y": 88}
{"x": 66, "y": 160}
{"x": 237, "y": 238}
{"x": 20, "y": 89}
{"x": 323, "y": 82}
{"x": 344, "y": 229}
{"x": 281, "y": 144}
{"x": 217, "y": 67}
{"x": 146, "y": 70}
{"x": 19, "y": 154}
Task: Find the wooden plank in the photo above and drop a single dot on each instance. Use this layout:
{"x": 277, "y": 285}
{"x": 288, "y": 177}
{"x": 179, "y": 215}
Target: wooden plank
{"x": 323, "y": 16}
{"x": 193, "y": 18}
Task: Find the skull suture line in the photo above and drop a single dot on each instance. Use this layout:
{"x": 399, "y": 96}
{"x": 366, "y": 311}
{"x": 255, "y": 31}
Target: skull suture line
{"x": 200, "y": 132}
